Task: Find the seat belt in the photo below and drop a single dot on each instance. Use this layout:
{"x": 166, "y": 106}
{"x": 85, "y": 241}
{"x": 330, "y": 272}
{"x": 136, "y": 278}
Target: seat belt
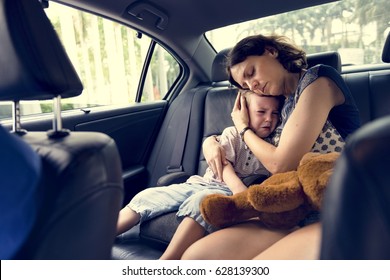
{"x": 175, "y": 164}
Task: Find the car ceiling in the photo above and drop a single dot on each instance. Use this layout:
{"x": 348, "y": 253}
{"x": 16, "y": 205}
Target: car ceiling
{"x": 184, "y": 22}
{"x": 194, "y": 16}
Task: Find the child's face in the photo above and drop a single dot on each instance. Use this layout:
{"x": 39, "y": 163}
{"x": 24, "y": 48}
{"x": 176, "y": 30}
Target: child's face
{"x": 263, "y": 114}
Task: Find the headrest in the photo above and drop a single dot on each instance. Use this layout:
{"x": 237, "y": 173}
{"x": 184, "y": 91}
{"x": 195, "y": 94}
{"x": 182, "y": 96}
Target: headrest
{"x": 33, "y": 63}
{"x": 219, "y": 64}
{"x": 386, "y": 50}
{"x": 328, "y": 58}
{"x": 218, "y": 71}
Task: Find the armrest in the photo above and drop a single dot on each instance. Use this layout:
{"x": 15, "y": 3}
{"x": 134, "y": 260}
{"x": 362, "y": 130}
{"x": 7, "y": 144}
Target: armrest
{"x": 172, "y": 178}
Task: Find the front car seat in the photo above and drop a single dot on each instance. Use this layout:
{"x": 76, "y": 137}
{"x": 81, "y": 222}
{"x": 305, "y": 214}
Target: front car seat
{"x": 356, "y": 208}
{"x": 81, "y": 188}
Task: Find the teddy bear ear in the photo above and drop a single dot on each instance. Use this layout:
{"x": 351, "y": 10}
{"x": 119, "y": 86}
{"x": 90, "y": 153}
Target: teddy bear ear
{"x": 309, "y": 156}
{"x": 324, "y": 157}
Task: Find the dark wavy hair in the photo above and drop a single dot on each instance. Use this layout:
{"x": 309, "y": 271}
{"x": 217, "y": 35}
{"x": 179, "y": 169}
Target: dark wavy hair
{"x": 290, "y": 56}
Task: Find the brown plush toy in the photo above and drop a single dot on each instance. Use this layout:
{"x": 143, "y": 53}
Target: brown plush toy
{"x": 281, "y": 201}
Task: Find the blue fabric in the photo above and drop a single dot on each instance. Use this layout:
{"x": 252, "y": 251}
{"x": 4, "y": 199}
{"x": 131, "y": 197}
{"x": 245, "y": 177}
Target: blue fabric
{"x": 19, "y": 174}
{"x": 184, "y": 198}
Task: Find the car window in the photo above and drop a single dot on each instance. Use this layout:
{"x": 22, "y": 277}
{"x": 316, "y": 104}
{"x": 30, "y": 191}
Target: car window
{"x": 356, "y": 29}
{"x": 161, "y": 75}
{"x": 109, "y": 58}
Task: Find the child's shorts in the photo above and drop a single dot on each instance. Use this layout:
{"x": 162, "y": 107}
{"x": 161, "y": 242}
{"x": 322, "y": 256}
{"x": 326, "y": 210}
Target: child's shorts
{"x": 184, "y": 198}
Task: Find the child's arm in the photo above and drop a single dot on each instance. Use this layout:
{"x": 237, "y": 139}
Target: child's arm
{"x": 232, "y": 180}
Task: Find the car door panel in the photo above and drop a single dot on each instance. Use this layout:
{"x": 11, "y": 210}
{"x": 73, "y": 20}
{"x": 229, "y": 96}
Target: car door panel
{"x": 133, "y": 130}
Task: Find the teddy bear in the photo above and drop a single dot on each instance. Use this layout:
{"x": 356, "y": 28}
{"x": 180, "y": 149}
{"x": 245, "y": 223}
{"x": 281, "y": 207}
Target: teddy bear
{"x": 281, "y": 202}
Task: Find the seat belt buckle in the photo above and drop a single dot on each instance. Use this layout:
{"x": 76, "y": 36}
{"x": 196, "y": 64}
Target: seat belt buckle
{"x": 173, "y": 169}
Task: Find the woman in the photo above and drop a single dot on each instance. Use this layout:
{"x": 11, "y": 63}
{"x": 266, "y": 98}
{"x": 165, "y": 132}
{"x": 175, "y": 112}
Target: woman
{"x": 319, "y": 113}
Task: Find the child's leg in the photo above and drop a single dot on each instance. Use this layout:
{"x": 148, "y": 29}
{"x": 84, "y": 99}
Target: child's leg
{"x": 193, "y": 227}
{"x": 187, "y": 233}
{"x": 126, "y": 220}
{"x": 152, "y": 202}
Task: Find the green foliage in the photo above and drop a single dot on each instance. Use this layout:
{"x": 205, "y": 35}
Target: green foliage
{"x": 48, "y": 107}
{"x": 316, "y": 22}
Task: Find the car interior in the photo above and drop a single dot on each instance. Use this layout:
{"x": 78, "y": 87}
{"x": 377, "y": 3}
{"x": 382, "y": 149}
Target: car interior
{"x": 95, "y": 159}
{"x": 81, "y": 172}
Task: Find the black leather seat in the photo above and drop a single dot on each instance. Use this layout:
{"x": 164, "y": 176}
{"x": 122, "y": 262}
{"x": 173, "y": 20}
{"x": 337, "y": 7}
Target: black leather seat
{"x": 81, "y": 189}
{"x": 356, "y": 209}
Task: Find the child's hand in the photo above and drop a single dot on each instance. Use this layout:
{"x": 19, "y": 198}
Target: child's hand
{"x": 216, "y": 160}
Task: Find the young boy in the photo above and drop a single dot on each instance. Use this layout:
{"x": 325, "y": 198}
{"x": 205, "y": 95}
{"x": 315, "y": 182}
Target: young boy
{"x": 186, "y": 197}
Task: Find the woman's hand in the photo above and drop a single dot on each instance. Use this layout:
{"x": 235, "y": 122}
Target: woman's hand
{"x": 239, "y": 113}
{"x": 215, "y": 156}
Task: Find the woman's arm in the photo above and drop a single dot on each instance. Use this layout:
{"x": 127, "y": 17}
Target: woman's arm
{"x": 214, "y": 155}
{"x": 232, "y": 180}
{"x": 301, "y": 130}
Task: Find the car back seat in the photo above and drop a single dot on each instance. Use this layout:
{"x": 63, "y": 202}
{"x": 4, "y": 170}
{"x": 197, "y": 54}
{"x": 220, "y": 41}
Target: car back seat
{"x": 161, "y": 156}
{"x": 371, "y": 91}
{"x": 371, "y": 88}
{"x": 209, "y": 115}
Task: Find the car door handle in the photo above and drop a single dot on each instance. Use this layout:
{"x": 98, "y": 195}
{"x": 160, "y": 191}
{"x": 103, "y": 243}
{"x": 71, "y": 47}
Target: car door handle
{"x": 138, "y": 10}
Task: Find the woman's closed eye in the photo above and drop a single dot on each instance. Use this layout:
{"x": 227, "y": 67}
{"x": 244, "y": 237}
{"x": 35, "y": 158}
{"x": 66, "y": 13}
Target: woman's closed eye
{"x": 247, "y": 76}
{"x": 249, "y": 73}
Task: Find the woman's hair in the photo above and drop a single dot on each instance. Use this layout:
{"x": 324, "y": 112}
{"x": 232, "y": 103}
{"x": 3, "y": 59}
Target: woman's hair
{"x": 290, "y": 56}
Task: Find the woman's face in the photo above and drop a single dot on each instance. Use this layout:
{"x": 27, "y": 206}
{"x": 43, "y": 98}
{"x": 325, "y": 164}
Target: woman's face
{"x": 263, "y": 114}
{"x": 262, "y": 74}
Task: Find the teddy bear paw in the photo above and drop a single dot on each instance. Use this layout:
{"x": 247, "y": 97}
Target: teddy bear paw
{"x": 221, "y": 210}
